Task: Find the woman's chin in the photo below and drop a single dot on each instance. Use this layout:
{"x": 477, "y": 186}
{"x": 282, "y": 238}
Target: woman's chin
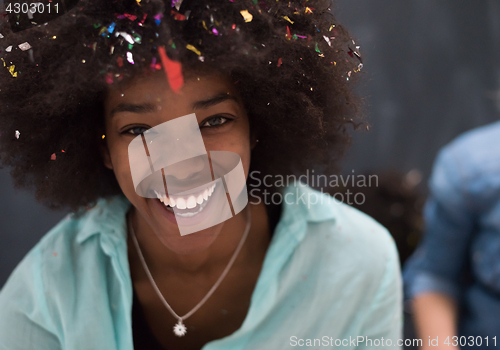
{"x": 192, "y": 243}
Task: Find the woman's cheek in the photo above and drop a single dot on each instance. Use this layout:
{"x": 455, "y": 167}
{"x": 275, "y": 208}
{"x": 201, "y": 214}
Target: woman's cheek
{"x": 123, "y": 174}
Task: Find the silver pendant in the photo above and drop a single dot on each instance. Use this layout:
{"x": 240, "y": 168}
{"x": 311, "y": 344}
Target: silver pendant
{"x": 180, "y": 329}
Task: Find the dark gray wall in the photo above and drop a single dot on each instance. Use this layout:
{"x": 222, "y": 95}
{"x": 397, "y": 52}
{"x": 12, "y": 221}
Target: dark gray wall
{"x": 431, "y": 68}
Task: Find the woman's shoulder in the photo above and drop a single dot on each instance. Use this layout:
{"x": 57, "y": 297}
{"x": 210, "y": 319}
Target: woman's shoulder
{"x": 354, "y": 240}
{"x": 62, "y": 253}
{"x": 336, "y": 225}
{"x": 64, "y": 276}
{"x": 105, "y": 221}
{"x": 337, "y": 242}
{"x": 344, "y": 258}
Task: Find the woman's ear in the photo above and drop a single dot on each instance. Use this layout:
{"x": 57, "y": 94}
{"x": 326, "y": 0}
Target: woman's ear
{"x": 105, "y": 154}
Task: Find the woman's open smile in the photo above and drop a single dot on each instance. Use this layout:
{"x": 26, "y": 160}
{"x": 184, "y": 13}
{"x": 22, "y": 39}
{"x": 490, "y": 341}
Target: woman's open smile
{"x": 191, "y": 208}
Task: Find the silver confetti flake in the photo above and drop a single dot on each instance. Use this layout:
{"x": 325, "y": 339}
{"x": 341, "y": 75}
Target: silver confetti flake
{"x": 25, "y": 46}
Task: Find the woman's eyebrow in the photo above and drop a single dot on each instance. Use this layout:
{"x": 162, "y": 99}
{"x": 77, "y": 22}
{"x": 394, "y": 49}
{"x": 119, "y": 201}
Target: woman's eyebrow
{"x": 214, "y": 100}
{"x": 134, "y": 108}
{"x": 150, "y": 107}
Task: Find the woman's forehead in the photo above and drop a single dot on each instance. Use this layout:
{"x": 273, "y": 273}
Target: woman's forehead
{"x": 155, "y": 90}
{"x": 157, "y": 81}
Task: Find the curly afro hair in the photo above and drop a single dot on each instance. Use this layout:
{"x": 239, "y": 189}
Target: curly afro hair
{"x": 291, "y": 62}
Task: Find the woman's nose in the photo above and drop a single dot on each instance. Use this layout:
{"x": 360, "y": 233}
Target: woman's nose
{"x": 195, "y": 169}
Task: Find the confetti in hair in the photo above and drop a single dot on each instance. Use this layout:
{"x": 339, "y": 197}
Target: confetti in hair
{"x": 246, "y": 15}
{"x": 173, "y": 70}
{"x": 12, "y": 71}
{"x": 130, "y": 58}
{"x": 194, "y": 49}
{"x": 118, "y": 43}
{"x": 24, "y": 46}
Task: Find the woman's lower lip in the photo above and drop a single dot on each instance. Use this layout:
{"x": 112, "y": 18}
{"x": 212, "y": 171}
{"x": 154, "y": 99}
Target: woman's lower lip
{"x": 169, "y": 215}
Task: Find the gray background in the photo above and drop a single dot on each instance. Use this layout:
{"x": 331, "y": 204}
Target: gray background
{"x": 432, "y": 71}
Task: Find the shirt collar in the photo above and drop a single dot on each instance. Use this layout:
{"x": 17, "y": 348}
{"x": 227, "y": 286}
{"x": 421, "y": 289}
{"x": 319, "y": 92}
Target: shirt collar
{"x": 309, "y": 204}
{"x": 107, "y": 216}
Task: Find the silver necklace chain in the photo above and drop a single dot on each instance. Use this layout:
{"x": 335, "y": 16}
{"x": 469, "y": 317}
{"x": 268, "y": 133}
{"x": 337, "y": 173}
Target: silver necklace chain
{"x": 180, "y": 328}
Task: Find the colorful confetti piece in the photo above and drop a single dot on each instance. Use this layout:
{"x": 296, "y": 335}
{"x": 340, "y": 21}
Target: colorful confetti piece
{"x": 130, "y": 17}
{"x": 327, "y": 40}
{"x": 130, "y": 58}
{"x": 173, "y": 70}
{"x": 317, "y": 48}
{"x": 158, "y": 18}
{"x": 11, "y": 71}
{"x": 194, "y": 49}
{"x": 24, "y": 46}
{"x": 246, "y": 15}
{"x": 17, "y": 134}
{"x": 178, "y": 16}
{"x": 143, "y": 19}
{"x": 109, "y": 78}
{"x": 53, "y": 156}
{"x": 126, "y": 36}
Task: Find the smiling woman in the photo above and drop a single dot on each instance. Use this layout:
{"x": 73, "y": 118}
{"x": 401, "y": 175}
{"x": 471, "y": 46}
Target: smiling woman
{"x": 266, "y": 84}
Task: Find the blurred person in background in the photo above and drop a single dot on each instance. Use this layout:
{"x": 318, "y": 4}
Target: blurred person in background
{"x": 396, "y": 202}
{"x": 452, "y": 281}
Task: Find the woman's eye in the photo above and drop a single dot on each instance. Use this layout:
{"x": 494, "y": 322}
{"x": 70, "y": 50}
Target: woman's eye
{"x": 136, "y": 130}
{"x": 215, "y": 121}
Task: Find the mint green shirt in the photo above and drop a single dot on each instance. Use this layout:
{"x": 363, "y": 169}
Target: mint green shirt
{"x": 330, "y": 278}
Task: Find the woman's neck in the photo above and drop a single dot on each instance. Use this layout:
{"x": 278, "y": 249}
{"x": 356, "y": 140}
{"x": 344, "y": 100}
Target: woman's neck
{"x": 212, "y": 259}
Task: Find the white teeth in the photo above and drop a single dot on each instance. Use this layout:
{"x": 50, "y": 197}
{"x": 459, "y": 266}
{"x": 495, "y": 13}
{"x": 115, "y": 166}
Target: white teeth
{"x": 199, "y": 199}
{"x": 180, "y": 203}
{"x": 191, "y": 202}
